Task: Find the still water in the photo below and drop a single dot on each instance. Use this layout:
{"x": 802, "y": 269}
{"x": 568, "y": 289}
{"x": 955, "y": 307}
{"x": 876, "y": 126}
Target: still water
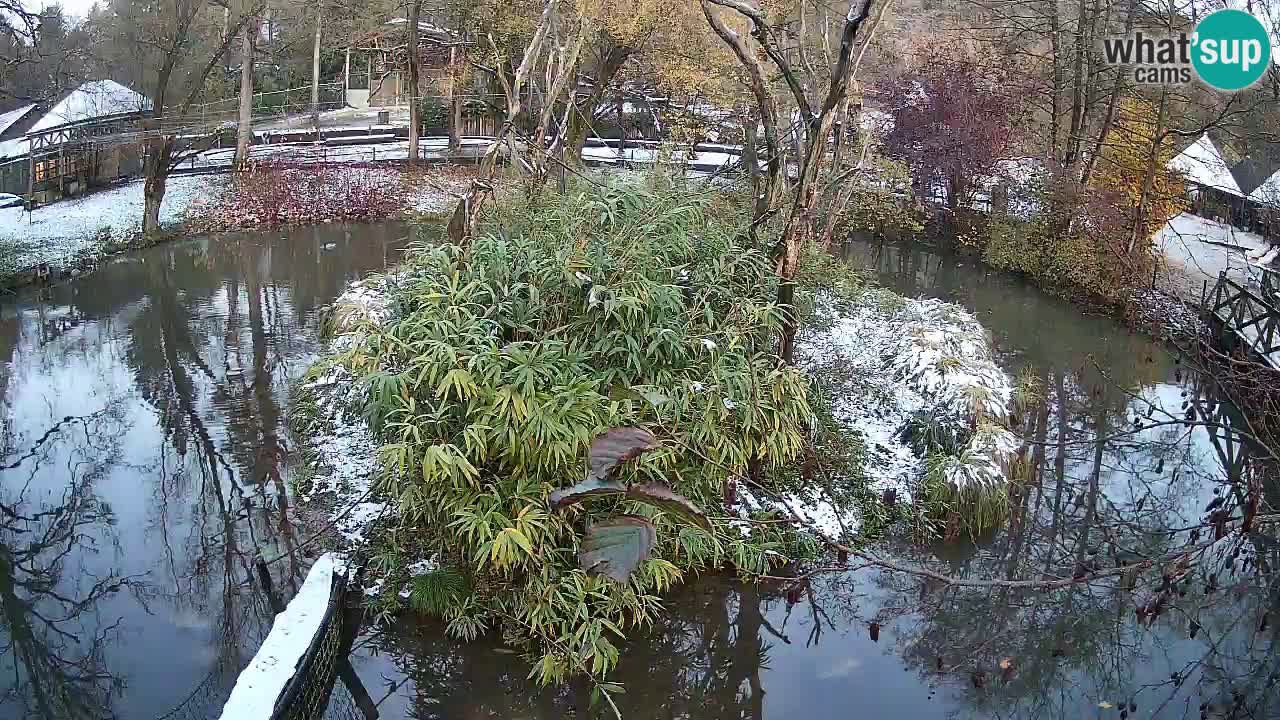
{"x": 144, "y": 465}
{"x": 882, "y": 645}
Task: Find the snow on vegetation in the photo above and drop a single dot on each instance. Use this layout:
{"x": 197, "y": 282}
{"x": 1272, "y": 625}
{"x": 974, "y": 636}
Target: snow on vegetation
{"x": 261, "y": 683}
{"x": 342, "y": 450}
{"x": 281, "y": 194}
{"x": 918, "y": 381}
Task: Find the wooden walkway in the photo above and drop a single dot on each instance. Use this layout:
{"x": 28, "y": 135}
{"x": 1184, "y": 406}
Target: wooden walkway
{"x": 1249, "y": 316}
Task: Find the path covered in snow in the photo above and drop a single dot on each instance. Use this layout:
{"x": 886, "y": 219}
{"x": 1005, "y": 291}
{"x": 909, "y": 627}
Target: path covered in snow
{"x": 1197, "y": 250}
{"x": 349, "y": 151}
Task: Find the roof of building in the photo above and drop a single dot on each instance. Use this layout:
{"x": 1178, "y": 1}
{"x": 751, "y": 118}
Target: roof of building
{"x": 1268, "y": 193}
{"x": 92, "y": 100}
{"x": 1203, "y": 164}
{"x": 8, "y": 119}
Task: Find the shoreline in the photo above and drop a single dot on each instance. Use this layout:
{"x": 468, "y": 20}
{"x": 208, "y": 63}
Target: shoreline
{"x": 1156, "y": 312}
{"x": 225, "y": 212}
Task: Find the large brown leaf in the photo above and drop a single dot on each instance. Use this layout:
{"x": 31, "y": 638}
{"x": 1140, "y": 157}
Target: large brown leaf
{"x": 667, "y": 500}
{"x": 616, "y": 446}
{"x": 589, "y": 488}
{"x": 615, "y": 547}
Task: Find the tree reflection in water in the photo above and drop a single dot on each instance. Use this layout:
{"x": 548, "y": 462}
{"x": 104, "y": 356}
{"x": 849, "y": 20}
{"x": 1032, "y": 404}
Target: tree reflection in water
{"x": 191, "y": 348}
{"x": 52, "y": 661}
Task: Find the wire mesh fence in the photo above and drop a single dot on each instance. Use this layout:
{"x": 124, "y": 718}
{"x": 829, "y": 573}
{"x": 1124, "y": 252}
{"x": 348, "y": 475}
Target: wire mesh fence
{"x": 306, "y": 696}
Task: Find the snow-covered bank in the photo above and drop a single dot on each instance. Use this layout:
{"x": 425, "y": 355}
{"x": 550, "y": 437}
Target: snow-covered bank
{"x": 270, "y": 195}
{"x": 915, "y": 378}
{"x": 70, "y": 231}
{"x": 71, "y": 234}
{"x": 342, "y": 454}
{"x": 341, "y": 451}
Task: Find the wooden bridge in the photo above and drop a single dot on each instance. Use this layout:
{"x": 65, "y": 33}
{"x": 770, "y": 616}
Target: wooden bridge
{"x": 1247, "y": 316}
{"x": 1244, "y": 317}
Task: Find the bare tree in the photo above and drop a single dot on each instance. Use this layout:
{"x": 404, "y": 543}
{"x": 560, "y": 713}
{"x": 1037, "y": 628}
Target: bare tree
{"x": 415, "y": 8}
{"x": 19, "y": 28}
{"x": 814, "y": 130}
{"x": 315, "y": 67}
{"x": 244, "y": 125}
{"x": 179, "y": 46}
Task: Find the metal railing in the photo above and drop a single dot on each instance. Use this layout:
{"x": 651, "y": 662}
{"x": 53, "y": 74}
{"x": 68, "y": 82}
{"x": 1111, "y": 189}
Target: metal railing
{"x": 274, "y": 103}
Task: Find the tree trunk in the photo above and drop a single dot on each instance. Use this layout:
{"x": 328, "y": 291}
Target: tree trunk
{"x": 611, "y": 61}
{"x": 1055, "y": 94}
{"x": 1078, "y": 91}
{"x": 455, "y": 103}
{"x": 1138, "y": 229}
{"x": 414, "y": 7}
{"x": 156, "y": 176}
{"x": 315, "y": 69}
{"x": 244, "y": 131}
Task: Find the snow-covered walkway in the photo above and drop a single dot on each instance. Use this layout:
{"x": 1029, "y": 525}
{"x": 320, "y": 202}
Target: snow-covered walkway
{"x": 1197, "y": 250}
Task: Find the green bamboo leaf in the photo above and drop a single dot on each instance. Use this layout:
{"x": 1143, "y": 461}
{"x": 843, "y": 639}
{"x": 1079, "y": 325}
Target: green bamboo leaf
{"x": 615, "y": 547}
{"x": 667, "y": 500}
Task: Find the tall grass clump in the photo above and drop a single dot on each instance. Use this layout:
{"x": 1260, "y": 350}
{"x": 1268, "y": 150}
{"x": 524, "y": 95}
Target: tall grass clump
{"x": 637, "y": 305}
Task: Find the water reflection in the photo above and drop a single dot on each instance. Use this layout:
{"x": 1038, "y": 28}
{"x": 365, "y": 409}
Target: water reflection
{"x": 1114, "y": 481}
{"x": 143, "y": 466}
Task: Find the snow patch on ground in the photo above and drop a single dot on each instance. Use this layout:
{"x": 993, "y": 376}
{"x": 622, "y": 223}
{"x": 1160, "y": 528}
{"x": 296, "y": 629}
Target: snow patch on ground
{"x": 68, "y": 230}
{"x": 258, "y": 687}
{"x": 344, "y": 450}
{"x": 823, "y": 514}
{"x": 1197, "y": 250}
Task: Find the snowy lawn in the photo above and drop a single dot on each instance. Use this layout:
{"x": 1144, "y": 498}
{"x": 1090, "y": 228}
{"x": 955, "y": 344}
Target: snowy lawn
{"x": 63, "y": 232}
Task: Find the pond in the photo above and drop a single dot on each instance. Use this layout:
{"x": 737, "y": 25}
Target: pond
{"x": 145, "y": 463}
{"x": 878, "y": 644}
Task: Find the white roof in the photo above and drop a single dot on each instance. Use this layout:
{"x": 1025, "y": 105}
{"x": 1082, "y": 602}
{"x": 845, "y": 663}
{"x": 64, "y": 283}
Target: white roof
{"x": 1202, "y": 164}
{"x": 17, "y": 147}
{"x": 424, "y": 26}
{"x": 100, "y": 98}
{"x": 1268, "y": 193}
{"x": 13, "y": 116}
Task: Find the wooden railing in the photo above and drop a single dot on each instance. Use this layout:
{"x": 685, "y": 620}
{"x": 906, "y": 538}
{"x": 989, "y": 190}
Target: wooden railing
{"x": 1252, "y": 315}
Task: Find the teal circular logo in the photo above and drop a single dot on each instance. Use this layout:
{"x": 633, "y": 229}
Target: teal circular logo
{"x": 1231, "y": 50}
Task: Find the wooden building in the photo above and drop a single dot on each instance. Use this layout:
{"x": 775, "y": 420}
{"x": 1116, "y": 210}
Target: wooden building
{"x": 76, "y": 145}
